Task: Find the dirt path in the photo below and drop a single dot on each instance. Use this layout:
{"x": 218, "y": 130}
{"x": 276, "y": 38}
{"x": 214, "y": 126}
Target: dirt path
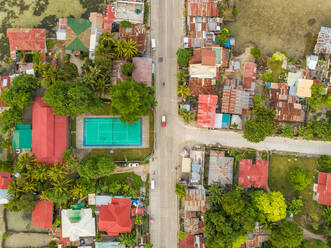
{"x": 18, "y": 240}
{"x": 279, "y": 24}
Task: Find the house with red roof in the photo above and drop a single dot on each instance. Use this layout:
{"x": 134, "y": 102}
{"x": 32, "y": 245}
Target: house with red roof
{"x": 26, "y": 39}
{"x": 207, "y": 110}
{"x": 49, "y": 133}
{"x": 212, "y": 55}
{"x": 250, "y": 76}
{"x": 4, "y": 83}
{"x": 322, "y": 190}
{"x": 253, "y": 175}
{"x": 42, "y": 215}
{"x": 114, "y": 218}
{"x": 108, "y": 18}
{"x": 5, "y": 179}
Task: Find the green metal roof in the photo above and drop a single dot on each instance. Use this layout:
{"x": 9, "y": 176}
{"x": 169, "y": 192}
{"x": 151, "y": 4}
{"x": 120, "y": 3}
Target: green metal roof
{"x": 218, "y": 54}
{"x": 22, "y": 137}
{"x": 75, "y": 215}
{"x": 78, "y": 26}
{"x": 77, "y": 45}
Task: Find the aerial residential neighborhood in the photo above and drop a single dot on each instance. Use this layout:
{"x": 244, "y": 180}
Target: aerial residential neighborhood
{"x": 178, "y": 123}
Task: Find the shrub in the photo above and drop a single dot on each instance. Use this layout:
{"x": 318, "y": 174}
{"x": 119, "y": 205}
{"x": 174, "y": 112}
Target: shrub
{"x": 180, "y": 191}
{"x": 268, "y": 76}
{"x": 52, "y": 244}
{"x": 287, "y": 131}
{"x": 146, "y": 13}
{"x": 183, "y": 56}
{"x": 256, "y": 52}
{"x": 291, "y": 60}
{"x": 278, "y": 57}
{"x": 126, "y": 24}
{"x": 127, "y": 68}
{"x": 235, "y": 11}
{"x": 299, "y": 178}
{"x": 295, "y": 207}
{"x": 5, "y": 235}
{"x": 257, "y": 99}
{"x": 40, "y": 8}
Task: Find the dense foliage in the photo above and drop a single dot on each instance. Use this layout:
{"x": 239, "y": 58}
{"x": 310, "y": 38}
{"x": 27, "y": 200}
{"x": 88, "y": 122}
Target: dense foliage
{"x": 286, "y": 234}
{"x": 9, "y": 118}
{"x": 183, "y": 56}
{"x": 180, "y": 191}
{"x": 318, "y": 97}
{"x": 126, "y": 48}
{"x": 295, "y": 207}
{"x": 324, "y": 163}
{"x": 316, "y": 130}
{"x": 127, "y": 68}
{"x": 70, "y": 99}
{"x": 131, "y": 100}
{"x": 261, "y": 126}
{"x": 256, "y": 52}
{"x": 93, "y": 167}
{"x": 299, "y": 178}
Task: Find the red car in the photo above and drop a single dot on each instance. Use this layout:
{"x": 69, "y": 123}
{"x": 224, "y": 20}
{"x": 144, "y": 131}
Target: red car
{"x": 163, "y": 121}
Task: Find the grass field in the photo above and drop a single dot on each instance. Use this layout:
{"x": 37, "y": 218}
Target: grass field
{"x": 278, "y": 170}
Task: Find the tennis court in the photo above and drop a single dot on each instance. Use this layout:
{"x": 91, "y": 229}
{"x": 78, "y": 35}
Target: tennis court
{"x": 111, "y": 132}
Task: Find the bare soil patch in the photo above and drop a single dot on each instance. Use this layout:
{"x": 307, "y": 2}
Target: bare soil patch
{"x": 280, "y": 24}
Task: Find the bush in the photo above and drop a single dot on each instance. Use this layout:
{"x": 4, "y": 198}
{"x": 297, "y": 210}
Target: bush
{"x": 57, "y": 223}
{"x": 256, "y": 52}
{"x": 295, "y": 207}
{"x": 146, "y": 13}
{"x": 287, "y": 131}
{"x": 97, "y": 166}
{"x": 52, "y": 244}
{"x": 40, "y": 8}
{"x": 183, "y": 56}
{"x": 235, "y": 11}
{"x": 126, "y": 24}
{"x": 299, "y": 178}
{"x": 180, "y": 191}
{"x": 268, "y": 76}
{"x": 6, "y": 166}
{"x": 257, "y": 99}
{"x": 291, "y": 60}
{"x": 324, "y": 163}
{"x": 127, "y": 68}
{"x": 5, "y": 235}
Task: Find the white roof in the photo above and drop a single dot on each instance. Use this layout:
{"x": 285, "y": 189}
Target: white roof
{"x": 186, "y": 165}
{"x": 312, "y": 62}
{"x": 202, "y": 71}
{"x": 74, "y": 230}
{"x": 235, "y": 119}
{"x": 61, "y": 34}
{"x": 292, "y": 78}
{"x": 3, "y": 196}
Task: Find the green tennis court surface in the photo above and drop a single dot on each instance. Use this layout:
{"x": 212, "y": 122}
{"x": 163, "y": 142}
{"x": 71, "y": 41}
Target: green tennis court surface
{"x": 111, "y": 132}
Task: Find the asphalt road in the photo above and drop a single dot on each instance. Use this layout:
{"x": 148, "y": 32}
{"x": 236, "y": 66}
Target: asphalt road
{"x": 167, "y": 29}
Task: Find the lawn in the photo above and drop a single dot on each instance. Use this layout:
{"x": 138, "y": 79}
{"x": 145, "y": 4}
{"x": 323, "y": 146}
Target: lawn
{"x": 279, "y": 167}
{"x": 276, "y": 68}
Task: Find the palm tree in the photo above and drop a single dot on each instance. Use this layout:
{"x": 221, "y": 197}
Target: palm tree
{"x": 126, "y": 49}
{"x": 183, "y": 91}
{"x": 105, "y": 45}
{"x": 181, "y": 76}
{"x": 187, "y": 116}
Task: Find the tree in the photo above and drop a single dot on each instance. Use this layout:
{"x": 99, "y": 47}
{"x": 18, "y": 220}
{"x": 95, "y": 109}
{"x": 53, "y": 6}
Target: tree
{"x": 182, "y": 76}
{"x": 295, "y": 207}
{"x": 223, "y": 37}
{"x": 50, "y": 74}
{"x": 9, "y": 118}
{"x": 130, "y": 100}
{"x": 70, "y": 161}
{"x": 188, "y": 116}
{"x": 261, "y": 126}
{"x": 324, "y": 163}
{"x": 287, "y": 234}
{"x": 268, "y": 76}
{"x": 232, "y": 203}
{"x": 271, "y": 207}
{"x": 138, "y": 220}
{"x": 287, "y": 131}
{"x": 257, "y": 99}
{"x": 70, "y": 70}
{"x": 127, "y": 68}
{"x": 183, "y": 91}
{"x": 6, "y": 166}
{"x": 180, "y": 191}
{"x": 105, "y": 47}
{"x": 70, "y": 98}
{"x": 25, "y": 202}
{"x": 21, "y": 91}
{"x": 126, "y": 24}
{"x": 183, "y": 56}
{"x": 126, "y": 48}
{"x": 318, "y": 97}
{"x": 299, "y": 178}
{"x": 278, "y": 57}
{"x": 128, "y": 239}
{"x": 256, "y": 52}
{"x": 93, "y": 167}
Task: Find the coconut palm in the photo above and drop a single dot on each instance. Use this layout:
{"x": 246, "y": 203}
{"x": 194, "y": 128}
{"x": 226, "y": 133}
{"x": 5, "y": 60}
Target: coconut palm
{"x": 181, "y": 76}
{"x": 183, "y": 91}
{"x": 106, "y": 44}
{"x": 126, "y": 49}
{"x": 187, "y": 116}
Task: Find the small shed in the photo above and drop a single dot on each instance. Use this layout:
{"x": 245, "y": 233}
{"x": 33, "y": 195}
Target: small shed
{"x": 186, "y": 165}
{"x": 22, "y": 137}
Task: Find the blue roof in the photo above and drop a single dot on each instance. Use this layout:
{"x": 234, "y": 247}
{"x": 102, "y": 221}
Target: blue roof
{"x": 293, "y": 90}
{"x": 226, "y": 120}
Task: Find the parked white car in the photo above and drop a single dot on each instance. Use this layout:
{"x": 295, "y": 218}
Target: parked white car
{"x": 133, "y": 164}
{"x": 152, "y": 184}
{"x": 153, "y": 44}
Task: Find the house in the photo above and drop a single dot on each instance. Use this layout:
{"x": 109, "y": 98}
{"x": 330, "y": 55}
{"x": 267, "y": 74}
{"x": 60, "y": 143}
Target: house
{"x": 213, "y": 56}
{"x": 5, "y": 179}
{"x": 22, "y": 137}
{"x": 304, "y": 88}
{"x": 195, "y": 200}
{"x": 77, "y": 223}
{"x": 136, "y": 33}
{"x": 235, "y": 100}
{"x": 114, "y": 218}
{"x": 130, "y": 10}
{"x": 249, "y": 76}
{"x": 42, "y": 215}
{"x": 76, "y": 34}
{"x": 323, "y": 189}
{"x": 142, "y": 70}
{"x": 202, "y": 86}
{"x": 255, "y": 175}
{"x": 222, "y": 121}
{"x": 197, "y": 158}
{"x": 220, "y": 168}
{"x": 323, "y": 43}
{"x": 26, "y": 39}
{"x": 292, "y": 81}
{"x": 192, "y": 241}
{"x": 97, "y": 28}
{"x": 108, "y": 244}
{"x": 186, "y": 165}
{"x": 203, "y": 71}
{"x": 312, "y": 61}
{"x": 207, "y": 110}
{"x": 202, "y": 23}
{"x": 26, "y": 68}
{"x": 286, "y": 107}
{"x": 4, "y": 83}
{"x": 257, "y": 237}
{"x": 49, "y": 133}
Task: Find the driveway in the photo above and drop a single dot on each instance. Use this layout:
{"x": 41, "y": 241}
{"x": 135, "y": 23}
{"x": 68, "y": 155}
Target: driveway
{"x": 167, "y": 29}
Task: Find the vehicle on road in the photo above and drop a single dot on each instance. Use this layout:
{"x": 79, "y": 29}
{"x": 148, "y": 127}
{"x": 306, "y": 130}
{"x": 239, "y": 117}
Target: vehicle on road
{"x": 121, "y": 164}
{"x": 163, "y": 121}
{"x": 152, "y": 184}
{"x": 133, "y": 164}
{"x": 153, "y": 44}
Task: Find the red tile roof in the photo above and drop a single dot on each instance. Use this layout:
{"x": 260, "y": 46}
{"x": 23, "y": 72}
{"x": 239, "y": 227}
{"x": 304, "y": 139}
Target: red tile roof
{"x": 187, "y": 242}
{"x": 108, "y": 18}
{"x": 26, "y": 39}
{"x": 143, "y": 70}
{"x": 4, "y": 83}
{"x": 255, "y": 175}
{"x": 49, "y": 133}
{"x": 114, "y": 218}
{"x": 206, "y": 8}
{"x": 249, "y": 75}
{"x": 207, "y": 56}
{"x": 5, "y": 179}
{"x": 42, "y": 215}
{"x": 207, "y": 110}
{"x": 137, "y": 211}
{"x": 324, "y": 188}
{"x": 202, "y": 86}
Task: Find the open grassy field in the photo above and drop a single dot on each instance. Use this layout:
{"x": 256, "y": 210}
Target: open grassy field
{"x": 280, "y": 24}
{"x": 278, "y": 170}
